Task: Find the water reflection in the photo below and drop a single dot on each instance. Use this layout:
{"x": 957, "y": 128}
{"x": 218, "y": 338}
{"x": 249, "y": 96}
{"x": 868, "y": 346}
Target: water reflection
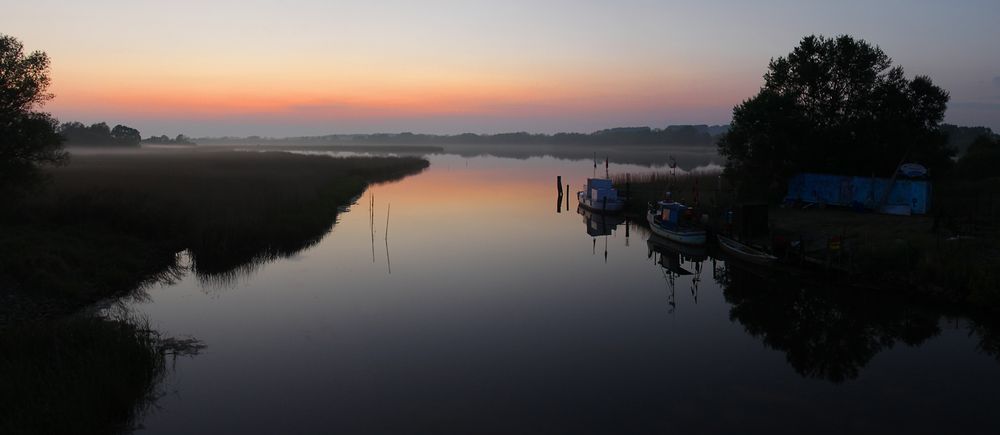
{"x": 500, "y": 313}
{"x": 675, "y": 260}
{"x": 219, "y": 266}
{"x": 689, "y": 156}
{"x": 825, "y": 333}
{"x": 600, "y": 224}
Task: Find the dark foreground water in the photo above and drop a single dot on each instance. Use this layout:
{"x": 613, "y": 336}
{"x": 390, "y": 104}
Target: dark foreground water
{"x": 486, "y": 311}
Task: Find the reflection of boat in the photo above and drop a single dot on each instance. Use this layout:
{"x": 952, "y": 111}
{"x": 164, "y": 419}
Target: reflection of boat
{"x": 600, "y": 196}
{"x": 673, "y": 258}
{"x": 674, "y": 255}
{"x": 600, "y": 224}
{"x": 695, "y": 253}
{"x": 744, "y": 252}
{"x": 667, "y": 219}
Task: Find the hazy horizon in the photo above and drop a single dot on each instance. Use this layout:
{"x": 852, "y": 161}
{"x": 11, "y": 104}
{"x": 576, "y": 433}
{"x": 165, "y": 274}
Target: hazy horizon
{"x": 314, "y": 68}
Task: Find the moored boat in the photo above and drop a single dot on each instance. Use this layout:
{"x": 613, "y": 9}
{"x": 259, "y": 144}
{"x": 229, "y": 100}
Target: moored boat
{"x": 600, "y": 196}
{"x": 667, "y": 219}
{"x": 742, "y": 251}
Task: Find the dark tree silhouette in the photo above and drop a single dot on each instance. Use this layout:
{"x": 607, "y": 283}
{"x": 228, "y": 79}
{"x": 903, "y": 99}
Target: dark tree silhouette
{"x": 99, "y": 134}
{"x": 125, "y": 136}
{"x": 28, "y": 138}
{"x": 837, "y": 106}
{"x": 981, "y": 160}
{"x": 960, "y": 137}
{"x": 165, "y": 140}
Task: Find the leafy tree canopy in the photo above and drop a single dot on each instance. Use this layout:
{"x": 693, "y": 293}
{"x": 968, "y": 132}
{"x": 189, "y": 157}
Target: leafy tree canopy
{"x": 28, "y": 137}
{"x": 982, "y": 160}
{"x": 99, "y": 134}
{"x": 165, "y": 140}
{"x": 836, "y": 105}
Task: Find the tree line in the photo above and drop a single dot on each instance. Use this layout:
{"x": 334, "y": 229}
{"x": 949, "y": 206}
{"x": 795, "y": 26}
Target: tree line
{"x": 671, "y": 135}
{"x": 99, "y": 134}
{"x": 165, "y": 140}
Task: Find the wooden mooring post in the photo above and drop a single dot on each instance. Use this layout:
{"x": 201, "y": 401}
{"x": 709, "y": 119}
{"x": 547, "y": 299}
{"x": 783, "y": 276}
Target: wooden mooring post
{"x": 559, "y": 199}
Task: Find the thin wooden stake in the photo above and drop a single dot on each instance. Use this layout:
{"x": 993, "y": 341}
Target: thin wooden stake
{"x": 387, "y": 208}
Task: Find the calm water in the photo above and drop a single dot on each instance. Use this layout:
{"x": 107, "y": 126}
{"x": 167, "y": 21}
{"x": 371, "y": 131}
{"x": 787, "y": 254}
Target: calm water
{"x": 486, "y": 311}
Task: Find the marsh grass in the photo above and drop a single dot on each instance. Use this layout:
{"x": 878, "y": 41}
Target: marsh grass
{"x": 706, "y": 188}
{"x": 107, "y": 223}
{"x": 81, "y": 374}
{"x": 110, "y": 224}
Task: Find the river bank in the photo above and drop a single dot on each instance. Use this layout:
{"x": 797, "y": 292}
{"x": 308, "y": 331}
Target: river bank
{"x": 949, "y": 256}
{"x": 108, "y": 225}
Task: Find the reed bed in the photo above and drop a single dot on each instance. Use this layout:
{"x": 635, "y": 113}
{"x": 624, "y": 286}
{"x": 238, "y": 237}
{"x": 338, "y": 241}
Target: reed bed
{"x": 107, "y": 222}
{"x": 82, "y": 374}
{"x": 706, "y": 190}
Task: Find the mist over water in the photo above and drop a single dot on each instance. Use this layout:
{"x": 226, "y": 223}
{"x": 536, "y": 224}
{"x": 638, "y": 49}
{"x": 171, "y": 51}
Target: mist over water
{"x": 482, "y": 306}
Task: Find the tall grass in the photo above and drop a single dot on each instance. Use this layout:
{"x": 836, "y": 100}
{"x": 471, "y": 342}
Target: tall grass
{"x": 80, "y": 375}
{"x": 706, "y": 189}
{"x": 108, "y": 222}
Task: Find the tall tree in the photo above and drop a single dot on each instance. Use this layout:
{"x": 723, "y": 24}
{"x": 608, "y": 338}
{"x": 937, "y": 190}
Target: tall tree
{"x": 836, "y": 105}
{"x": 28, "y": 137}
{"x": 982, "y": 160}
{"x": 125, "y": 136}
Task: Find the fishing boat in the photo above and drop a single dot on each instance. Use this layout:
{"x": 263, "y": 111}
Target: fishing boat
{"x": 600, "y": 196}
{"x": 742, "y": 251}
{"x": 668, "y": 218}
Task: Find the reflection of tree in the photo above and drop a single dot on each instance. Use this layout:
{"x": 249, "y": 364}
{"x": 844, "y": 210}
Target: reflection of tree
{"x": 825, "y": 333}
{"x": 988, "y": 331}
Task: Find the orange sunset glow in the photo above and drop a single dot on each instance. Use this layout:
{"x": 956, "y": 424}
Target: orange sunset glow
{"x": 438, "y": 67}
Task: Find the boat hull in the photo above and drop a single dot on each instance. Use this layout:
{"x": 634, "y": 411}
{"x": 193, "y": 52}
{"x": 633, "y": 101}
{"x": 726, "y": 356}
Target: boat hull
{"x": 686, "y": 236}
{"x": 688, "y": 251}
{"x": 743, "y": 252}
{"x": 613, "y": 206}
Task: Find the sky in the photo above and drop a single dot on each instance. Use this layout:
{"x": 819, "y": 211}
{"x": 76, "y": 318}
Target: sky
{"x": 290, "y": 68}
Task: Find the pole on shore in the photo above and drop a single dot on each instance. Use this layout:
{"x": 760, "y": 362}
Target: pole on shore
{"x": 628, "y": 186}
